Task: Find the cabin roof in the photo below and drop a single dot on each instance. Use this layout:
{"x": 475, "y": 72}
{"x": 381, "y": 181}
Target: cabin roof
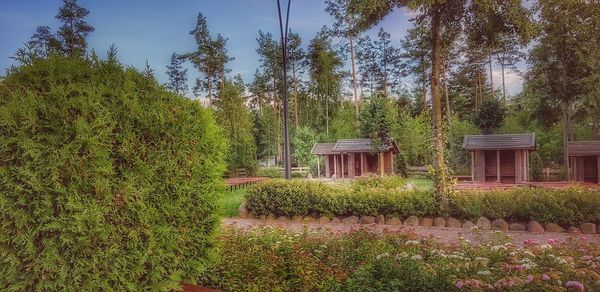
{"x": 322, "y": 148}
{"x": 499, "y": 142}
{"x": 350, "y": 146}
{"x": 583, "y": 148}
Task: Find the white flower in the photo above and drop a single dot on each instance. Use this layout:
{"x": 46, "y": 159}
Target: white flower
{"x": 401, "y": 255}
{"x": 498, "y": 247}
{"x": 453, "y": 256}
{"x": 484, "y": 273}
{"x": 416, "y": 257}
{"x": 412, "y": 242}
{"x": 383, "y": 255}
{"x": 528, "y": 253}
{"x": 545, "y": 246}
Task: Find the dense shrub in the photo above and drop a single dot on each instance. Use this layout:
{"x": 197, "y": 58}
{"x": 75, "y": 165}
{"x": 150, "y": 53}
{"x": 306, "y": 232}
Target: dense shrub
{"x": 385, "y": 182}
{"x": 277, "y": 172}
{"x": 565, "y": 206}
{"x": 303, "y": 197}
{"x": 107, "y": 181}
{"x": 275, "y": 260}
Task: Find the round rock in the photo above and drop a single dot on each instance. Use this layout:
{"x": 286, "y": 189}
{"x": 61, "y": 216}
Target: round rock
{"x": 453, "y": 223}
{"x": 439, "y": 222}
{"x": 588, "y": 228}
{"x": 426, "y": 222}
{"x": 368, "y": 220}
{"x": 535, "y": 227}
{"x": 336, "y": 220}
{"x": 411, "y": 221}
{"x": 394, "y": 221}
{"x": 553, "y": 227}
{"x": 350, "y": 220}
{"x": 324, "y": 219}
{"x": 243, "y": 211}
{"x": 297, "y": 218}
{"x": 468, "y": 225}
{"x": 381, "y": 219}
{"x": 499, "y": 224}
{"x": 484, "y": 224}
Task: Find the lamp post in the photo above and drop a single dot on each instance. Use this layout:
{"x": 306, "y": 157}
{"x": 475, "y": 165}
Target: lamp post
{"x": 286, "y": 134}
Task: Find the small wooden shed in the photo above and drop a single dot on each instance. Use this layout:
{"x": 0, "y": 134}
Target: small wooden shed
{"x": 349, "y": 158}
{"x": 584, "y": 160}
{"x": 500, "y": 158}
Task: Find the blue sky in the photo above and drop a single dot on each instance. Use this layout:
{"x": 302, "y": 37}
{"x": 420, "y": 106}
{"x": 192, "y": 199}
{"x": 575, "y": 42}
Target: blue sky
{"x": 152, "y": 29}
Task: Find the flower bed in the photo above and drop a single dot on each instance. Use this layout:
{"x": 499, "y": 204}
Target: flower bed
{"x": 274, "y": 260}
{"x": 309, "y": 198}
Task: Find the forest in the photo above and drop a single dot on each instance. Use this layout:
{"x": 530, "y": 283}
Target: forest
{"x": 427, "y": 93}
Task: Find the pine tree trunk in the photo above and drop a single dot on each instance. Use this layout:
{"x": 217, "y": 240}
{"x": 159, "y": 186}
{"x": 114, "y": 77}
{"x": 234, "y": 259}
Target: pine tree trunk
{"x": 566, "y": 134}
{"x": 439, "y": 163}
{"x": 448, "y": 113}
{"x": 209, "y": 93}
{"x": 354, "y": 82}
{"x": 296, "y": 118}
{"x": 503, "y": 83}
{"x": 491, "y": 76}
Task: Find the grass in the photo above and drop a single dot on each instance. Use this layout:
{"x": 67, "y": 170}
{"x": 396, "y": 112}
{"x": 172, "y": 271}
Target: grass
{"x": 420, "y": 182}
{"x": 231, "y": 201}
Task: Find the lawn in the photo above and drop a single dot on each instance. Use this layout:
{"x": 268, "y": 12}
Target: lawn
{"x": 230, "y": 202}
{"x": 420, "y": 182}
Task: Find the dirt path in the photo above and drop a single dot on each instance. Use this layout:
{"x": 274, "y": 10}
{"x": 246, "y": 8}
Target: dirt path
{"x": 446, "y": 235}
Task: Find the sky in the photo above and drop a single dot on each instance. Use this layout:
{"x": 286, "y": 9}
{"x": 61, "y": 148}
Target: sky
{"x": 153, "y": 29}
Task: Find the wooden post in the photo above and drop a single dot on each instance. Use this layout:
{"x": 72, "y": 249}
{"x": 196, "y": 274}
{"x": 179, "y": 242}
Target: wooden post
{"x": 498, "y": 177}
{"x": 335, "y": 165}
{"x": 318, "y": 166}
{"x": 362, "y": 164}
{"x": 342, "y": 164}
{"x": 392, "y": 161}
{"x": 472, "y": 166}
{"x": 381, "y": 161}
{"x": 598, "y": 169}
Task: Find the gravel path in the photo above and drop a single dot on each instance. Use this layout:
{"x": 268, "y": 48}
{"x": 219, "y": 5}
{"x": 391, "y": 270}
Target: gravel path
{"x": 446, "y": 235}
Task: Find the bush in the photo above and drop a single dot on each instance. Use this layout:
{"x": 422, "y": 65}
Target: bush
{"x": 274, "y": 260}
{"x": 385, "y": 182}
{"x": 371, "y": 197}
{"x": 302, "y": 197}
{"x": 107, "y": 181}
{"x": 565, "y": 206}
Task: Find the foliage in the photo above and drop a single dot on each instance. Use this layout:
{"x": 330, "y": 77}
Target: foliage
{"x": 230, "y": 202}
{"x": 342, "y": 125}
{"x": 272, "y": 259}
{"x": 177, "y": 75}
{"x": 373, "y": 196}
{"x": 458, "y": 157}
{"x": 565, "y": 206}
{"x": 303, "y": 142}
{"x": 376, "y": 120}
{"x": 489, "y": 116}
{"x": 414, "y": 139}
{"x": 234, "y": 117}
{"x": 265, "y": 133}
{"x": 108, "y": 182}
{"x": 386, "y": 182}
{"x": 301, "y": 197}
{"x": 277, "y": 172}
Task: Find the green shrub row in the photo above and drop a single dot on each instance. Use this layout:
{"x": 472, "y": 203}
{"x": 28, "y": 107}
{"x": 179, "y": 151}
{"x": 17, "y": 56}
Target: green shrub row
{"x": 386, "y": 182}
{"x": 302, "y": 197}
{"x": 564, "y": 206}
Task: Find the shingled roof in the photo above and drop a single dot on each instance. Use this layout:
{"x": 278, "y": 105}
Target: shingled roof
{"x": 583, "y": 148}
{"x": 323, "y": 148}
{"x": 349, "y": 146}
{"x": 499, "y": 142}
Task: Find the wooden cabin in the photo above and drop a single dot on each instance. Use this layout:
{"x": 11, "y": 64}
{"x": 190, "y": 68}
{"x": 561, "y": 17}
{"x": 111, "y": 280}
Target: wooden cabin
{"x": 584, "y": 161}
{"x": 500, "y": 158}
{"x": 349, "y": 158}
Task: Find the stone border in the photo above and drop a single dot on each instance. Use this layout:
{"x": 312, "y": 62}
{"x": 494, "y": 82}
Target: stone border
{"x": 440, "y": 222}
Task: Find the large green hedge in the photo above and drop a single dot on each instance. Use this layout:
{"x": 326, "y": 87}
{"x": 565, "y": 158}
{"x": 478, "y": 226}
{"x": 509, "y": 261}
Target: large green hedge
{"x": 302, "y": 197}
{"x": 297, "y": 197}
{"x": 107, "y": 181}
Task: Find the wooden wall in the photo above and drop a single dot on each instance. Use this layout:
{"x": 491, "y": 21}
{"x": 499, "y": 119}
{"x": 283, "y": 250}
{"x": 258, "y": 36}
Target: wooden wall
{"x": 514, "y": 165}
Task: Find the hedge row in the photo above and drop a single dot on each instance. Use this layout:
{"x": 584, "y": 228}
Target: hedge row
{"x": 309, "y": 198}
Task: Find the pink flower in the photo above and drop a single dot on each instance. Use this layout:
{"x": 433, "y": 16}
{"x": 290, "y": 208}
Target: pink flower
{"x": 552, "y": 240}
{"x": 587, "y": 257}
{"x": 545, "y": 277}
{"x": 575, "y": 285}
{"x": 460, "y": 284}
{"x": 531, "y": 242}
{"x": 529, "y": 278}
